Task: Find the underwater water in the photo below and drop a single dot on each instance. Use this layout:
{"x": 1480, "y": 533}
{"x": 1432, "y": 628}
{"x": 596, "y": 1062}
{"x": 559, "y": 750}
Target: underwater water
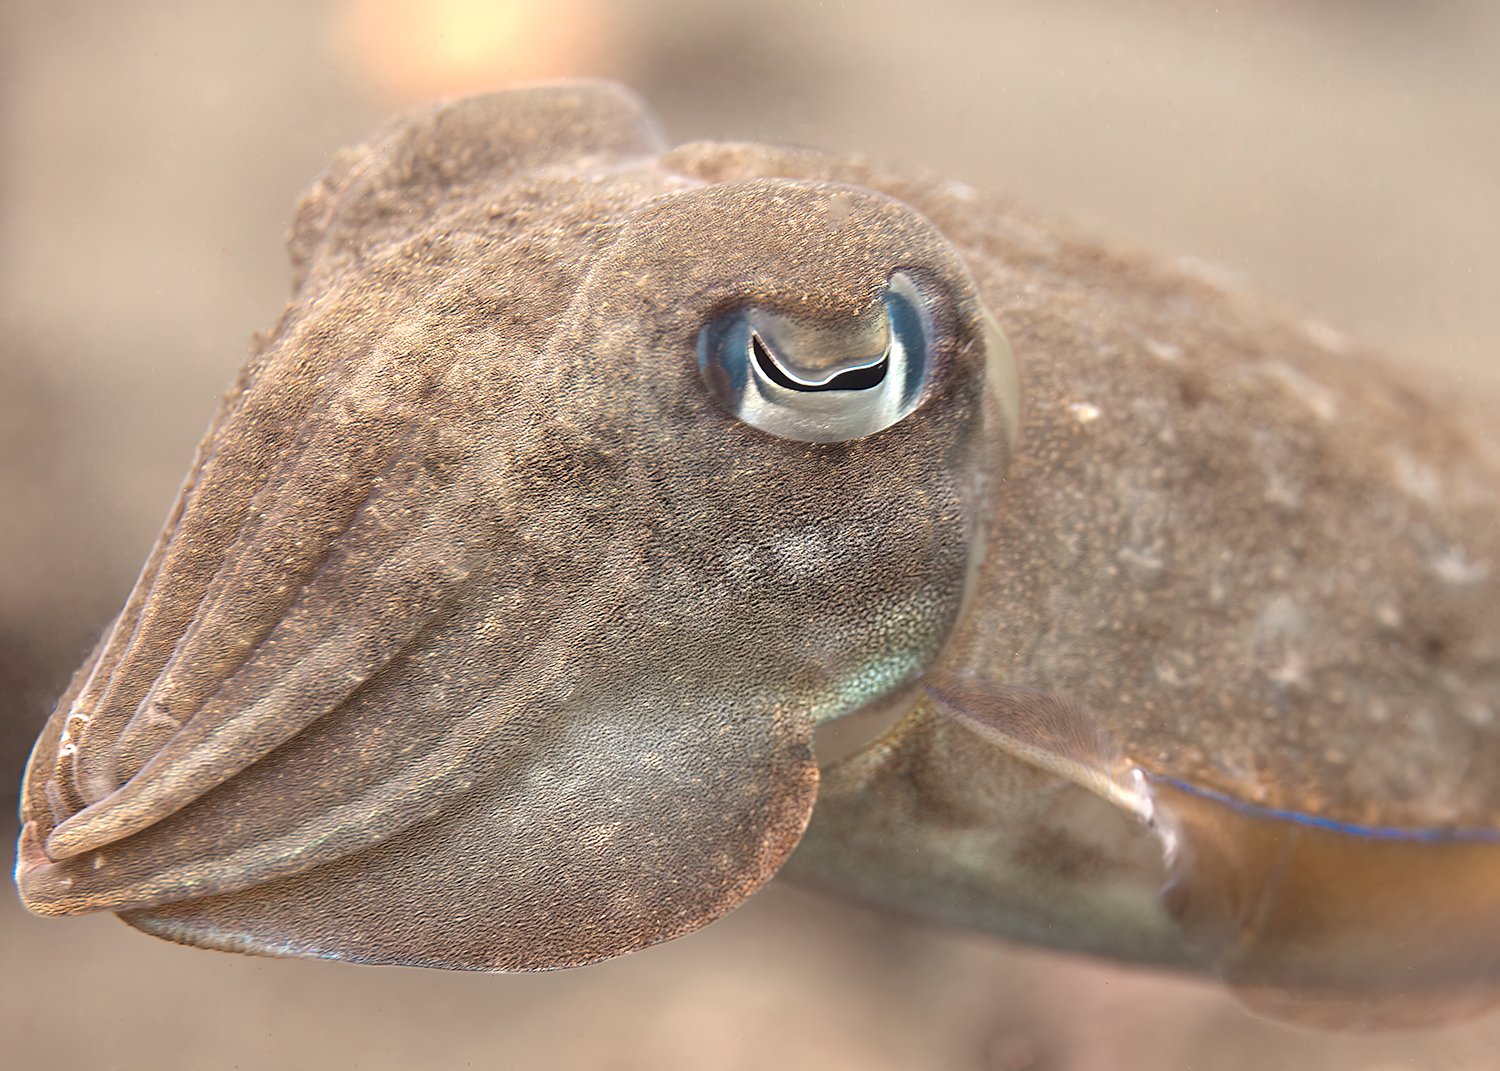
{"x": 1334, "y": 156}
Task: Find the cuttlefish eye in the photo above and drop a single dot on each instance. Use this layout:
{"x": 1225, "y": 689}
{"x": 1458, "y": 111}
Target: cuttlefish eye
{"x": 758, "y": 366}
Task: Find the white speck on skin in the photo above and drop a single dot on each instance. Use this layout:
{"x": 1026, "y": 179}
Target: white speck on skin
{"x": 73, "y": 724}
{"x": 1141, "y": 558}
{"x": 1479, "y": 713}
{"x": 1306, "y": 390}
{"x": 1280, "y": 470}
{"x": 1084, "y": 412}
{"x": 1164, "y": 351}
{"x": 1292, "y": 673}
{"x": 1453, "y": 566}
{"x": 1416, "y": 478}
{"x": 1388, "y": 615}
{"x": 837, "y": 209}
{"x": 805, "y": 552}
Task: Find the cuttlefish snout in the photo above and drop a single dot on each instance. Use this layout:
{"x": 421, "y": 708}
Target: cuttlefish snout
{"x": 485, "y": 633}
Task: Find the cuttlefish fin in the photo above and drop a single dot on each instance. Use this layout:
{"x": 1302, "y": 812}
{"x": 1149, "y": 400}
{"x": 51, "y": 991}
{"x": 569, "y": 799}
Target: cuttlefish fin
{"x": 612, "y": 837}
{"x": 1047, "y": 729}
{"x": 1332, "y": 924}
{"x": 933, "y": 821}
{"x": 1309, "y": 919}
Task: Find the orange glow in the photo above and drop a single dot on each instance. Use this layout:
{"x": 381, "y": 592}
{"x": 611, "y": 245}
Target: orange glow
{"x": 407, "y": 50}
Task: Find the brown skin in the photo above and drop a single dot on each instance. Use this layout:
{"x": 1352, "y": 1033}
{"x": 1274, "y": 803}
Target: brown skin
{"x": 481, "y": 637}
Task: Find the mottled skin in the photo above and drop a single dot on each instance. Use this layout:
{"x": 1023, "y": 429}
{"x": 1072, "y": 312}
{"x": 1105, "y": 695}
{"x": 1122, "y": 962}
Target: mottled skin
{"x": 473, "y": 629}
{"x": 482, "y": 638}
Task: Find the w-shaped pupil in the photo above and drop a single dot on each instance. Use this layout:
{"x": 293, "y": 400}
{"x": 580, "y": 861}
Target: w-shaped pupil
{"x": 862, "y": 378}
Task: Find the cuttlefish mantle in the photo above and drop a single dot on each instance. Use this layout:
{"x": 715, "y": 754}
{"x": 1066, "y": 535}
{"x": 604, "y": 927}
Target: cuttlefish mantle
{"x": 1328, "y": 922}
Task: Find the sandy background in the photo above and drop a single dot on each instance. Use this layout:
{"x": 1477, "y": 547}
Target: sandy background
{"x": 1341, "y": 154}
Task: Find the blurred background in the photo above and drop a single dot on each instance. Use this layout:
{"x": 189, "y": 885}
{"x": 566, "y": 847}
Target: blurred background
{"x": 1341, "y": 155}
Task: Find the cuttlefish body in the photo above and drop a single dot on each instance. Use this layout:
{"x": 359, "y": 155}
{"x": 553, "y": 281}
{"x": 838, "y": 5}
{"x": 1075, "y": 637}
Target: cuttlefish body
{"x": 584, "y": 477}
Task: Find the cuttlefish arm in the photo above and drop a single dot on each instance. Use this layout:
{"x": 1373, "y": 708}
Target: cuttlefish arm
{"x": 493, "y": 621}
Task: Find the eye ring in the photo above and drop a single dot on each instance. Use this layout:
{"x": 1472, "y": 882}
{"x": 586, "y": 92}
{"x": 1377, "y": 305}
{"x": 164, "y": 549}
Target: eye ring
{"x": 765, "y": 386}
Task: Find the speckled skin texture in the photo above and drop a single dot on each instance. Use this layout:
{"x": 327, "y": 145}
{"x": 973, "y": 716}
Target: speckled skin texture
{"x": 481, "y": 638}
{"x": 1242, "y": 543}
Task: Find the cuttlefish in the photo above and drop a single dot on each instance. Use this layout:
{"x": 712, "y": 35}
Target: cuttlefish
{"x": 584, "y": 478}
